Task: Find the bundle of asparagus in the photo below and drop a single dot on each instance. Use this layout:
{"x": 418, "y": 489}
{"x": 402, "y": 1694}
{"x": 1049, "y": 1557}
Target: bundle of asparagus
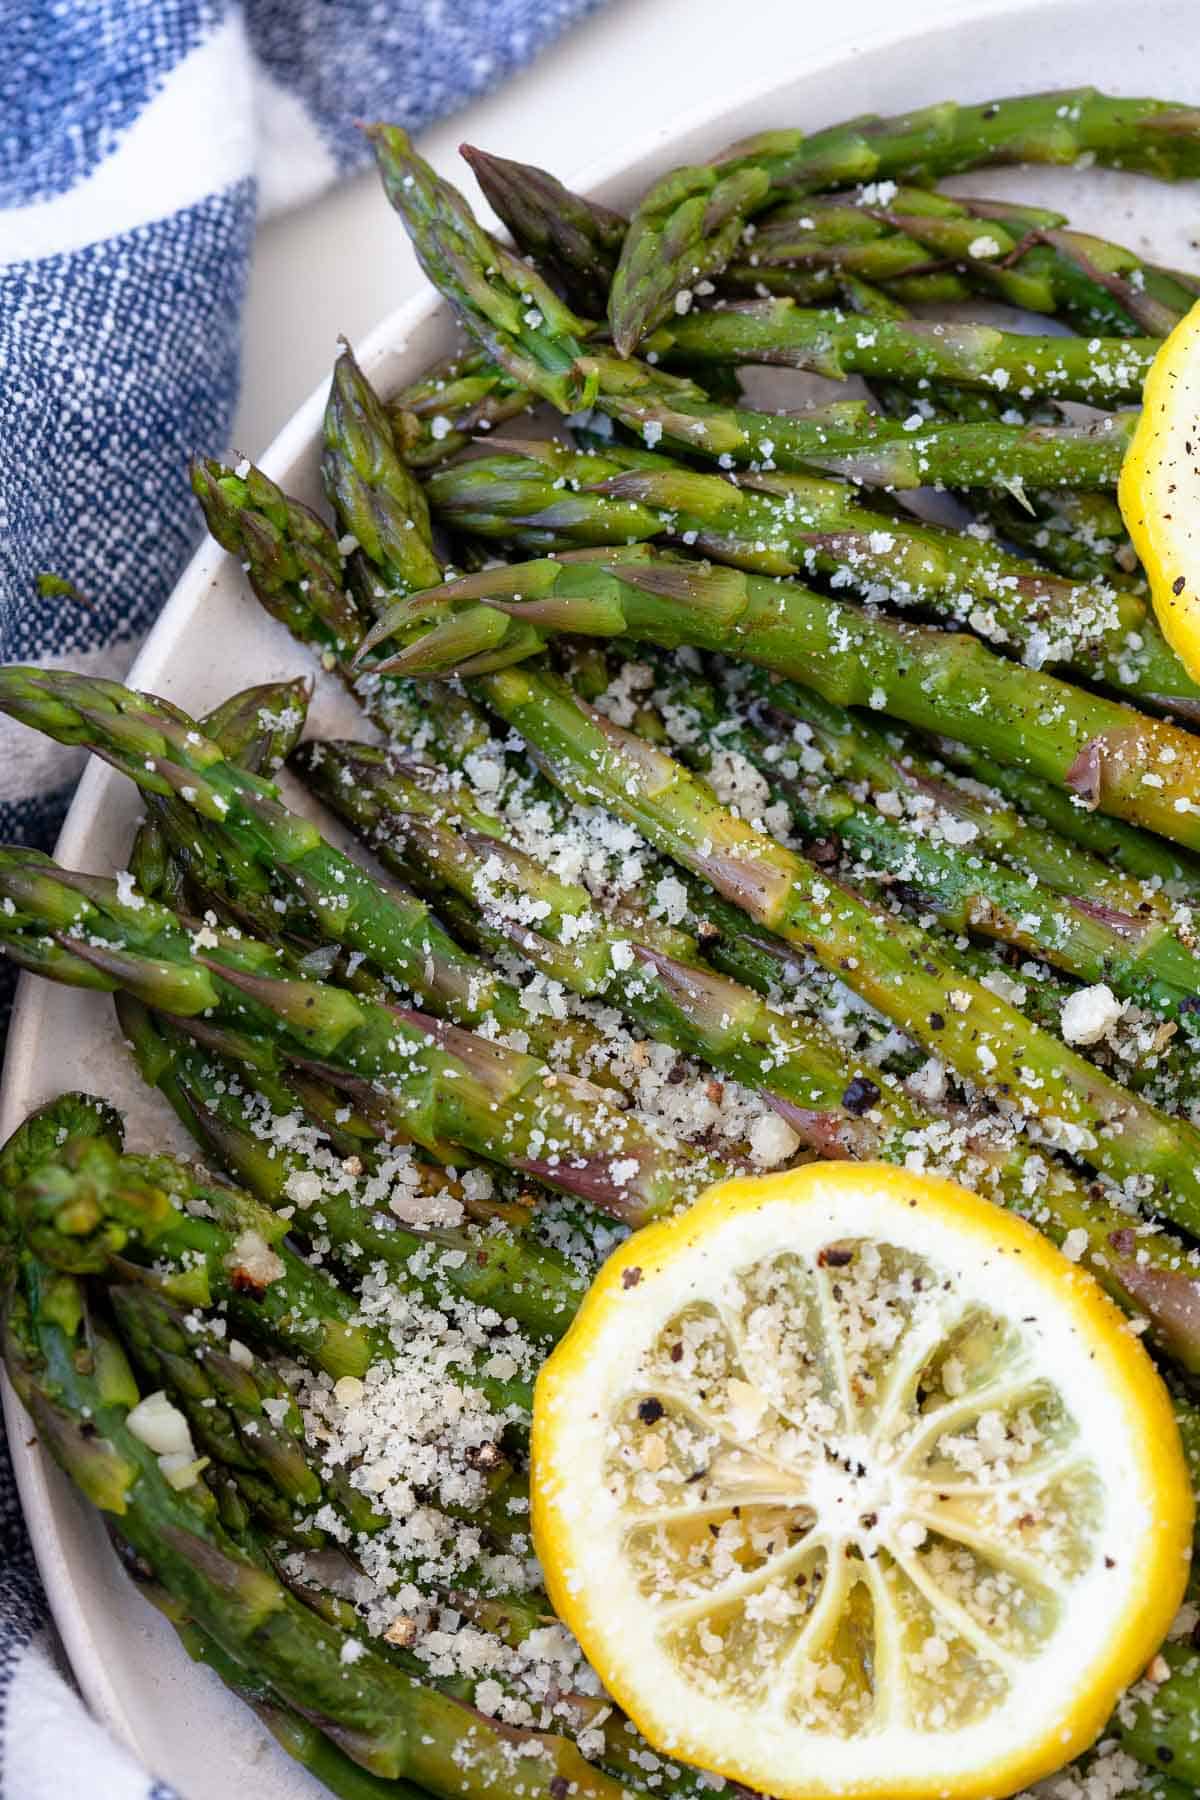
{"x": 648, "y": 916}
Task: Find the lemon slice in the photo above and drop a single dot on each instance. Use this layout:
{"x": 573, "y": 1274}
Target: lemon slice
{"x": 849, "y": 1483}
{"x": 1159, "y": 489}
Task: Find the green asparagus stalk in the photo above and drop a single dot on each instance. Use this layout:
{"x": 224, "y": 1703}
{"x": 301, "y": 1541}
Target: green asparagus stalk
{"x": 284, "y": 544}
{"x": 850, "y": 440}
{"x": 1139, "y": 853}
{"x": 913, "y": 353}
{"x": 259, "y": 727}
{"x": 1079, "y": 534}
{"x": 988, "y": 1041}
{"x": 235, "y": 511}
{"x": 542, "y": 496}
{"x": 262, "y": 1447}
{"x": 1116, "y": 937}
{"x": 443, "y": 1085}
{"x": 79, "y": 1392}
{"x": 574, "y": 241}
{"x": 222, "y": 1398}
{"x": 513, "y": 312}
{"x": 1159, "y": 1726}
{"x": 166, "y": 755}
{"x": 212, "y": 1095}
{"x": 548, "y": 355}
{"x": 853, "y": 748}
{"x": 1155, "y": 137}
{"x": 832, "y": 1103}
{"x": 683, "y": 231}
{"x": 359, "y": 464}
{"x": 653, "y": 972}
{"x": 949, "y": 683}
{"x": 95, "y": 1211}
{"x": 1023, "y": 255}
{"x": 293, "y": 1733}
{"x": 436, "y": 417}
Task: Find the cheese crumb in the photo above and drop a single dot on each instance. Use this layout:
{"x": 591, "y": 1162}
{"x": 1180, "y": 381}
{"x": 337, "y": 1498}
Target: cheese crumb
{"x": 161, "y": 1426}
{"x": 772, "y": 1140}
{"x": 1090, "y": 1013}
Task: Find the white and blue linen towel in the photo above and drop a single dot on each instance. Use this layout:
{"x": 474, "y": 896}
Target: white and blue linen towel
{"x": 140, "y": 142}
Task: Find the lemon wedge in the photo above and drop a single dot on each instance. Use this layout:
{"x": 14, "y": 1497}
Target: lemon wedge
{"x": 849, "y": 1483}
{"x": 1159, "y": 488}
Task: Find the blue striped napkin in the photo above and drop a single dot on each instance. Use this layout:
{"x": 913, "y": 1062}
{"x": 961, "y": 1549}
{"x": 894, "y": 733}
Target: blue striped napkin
{"x": 139, "y": 142}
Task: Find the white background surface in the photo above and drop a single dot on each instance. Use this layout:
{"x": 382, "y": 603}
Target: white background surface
{"x": 344, "y": 263}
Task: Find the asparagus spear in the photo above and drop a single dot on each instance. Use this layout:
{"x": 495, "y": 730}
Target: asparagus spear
{"x": 252, "y": 519}
{"x": 683, "y": 230}
{"x": 166, "y": 755}
{"x": 1079, "y": 534}
{"x": 614, "y": 1165}
{"x": 79, "y": 1392}
{"x": 92, "y": 1209}
{"x": 823, "y": 1094}
{"x": 359, "y": 464}
{"x": 1138, "y": 853}
{"x": 259, "y": 727}
{"x": 653, "y": 972}
{"x": 87, "y": 1209}
{"x": 212, "y": 1096}
{"x": 411, "y": 715}
{"x": 890, "y": 965}
{"x": 443, "y": 1085}
{"x": 1153, "y": 136}
{"x": 285, "y": 545}
{"x": 1118, "y": 939}
{"x": 541, "y": 496}
{"x": 434, "y": 418}
{"x": 923, "y": 246}
{"x": 913, "y": 353}
{"x": 261, "y": 1448}
{"x": 854, "y": 748}
{"x": 1021, "y": 254}
{"x": 61, "y": 1303}
{"x": 291, "y": 1731}
{"x": 533, "y": 335}
{"x": 574, "y": 241}
{"x": 951, "y": 684}
{"x": 222, "y": 1399}
{"x": 850, "y": 440}
{"x": 1159, "y": 1727}
{"x": 549, "y": 355}
{"x": 741, "y": 952}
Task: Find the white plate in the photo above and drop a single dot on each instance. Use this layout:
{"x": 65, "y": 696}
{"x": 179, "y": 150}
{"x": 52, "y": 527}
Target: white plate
{"x": 212, "y": 638}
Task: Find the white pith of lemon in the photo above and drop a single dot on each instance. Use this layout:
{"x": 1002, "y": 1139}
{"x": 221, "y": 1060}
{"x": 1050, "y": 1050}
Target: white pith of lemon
{"x": 1159, "y": 488}
{"x": 849, "y": 1483}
